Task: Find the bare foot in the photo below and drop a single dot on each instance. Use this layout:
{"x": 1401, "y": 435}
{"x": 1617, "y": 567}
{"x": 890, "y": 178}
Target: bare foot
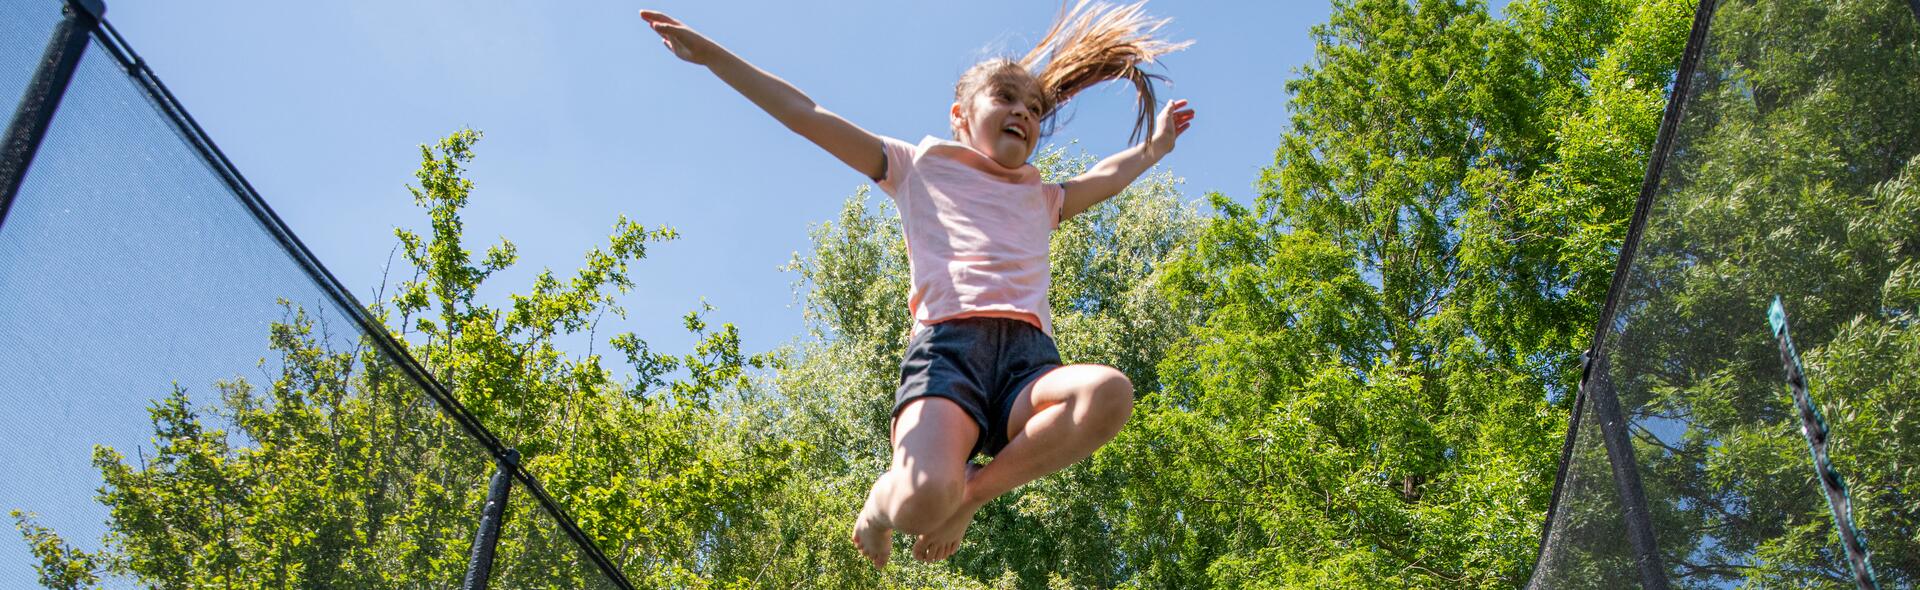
{"x": 873, "y": 535}
{"x": 945, "y": 540}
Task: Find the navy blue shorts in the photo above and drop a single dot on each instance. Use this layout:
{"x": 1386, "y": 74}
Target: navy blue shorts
{"x": 980, "y": 363}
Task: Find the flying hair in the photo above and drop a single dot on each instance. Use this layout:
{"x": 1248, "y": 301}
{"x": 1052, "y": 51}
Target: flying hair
{"x": 1090, "y": 43}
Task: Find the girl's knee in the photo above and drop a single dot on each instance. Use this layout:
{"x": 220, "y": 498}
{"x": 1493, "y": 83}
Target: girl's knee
{"x": 1110, "y": 395}
{"x": 1113, "y": 383}
{"x": 927, "y": 501}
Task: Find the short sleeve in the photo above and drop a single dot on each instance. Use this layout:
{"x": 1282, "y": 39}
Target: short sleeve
{"x": 1056, "y": 195}
{"x": 897, "y": 166}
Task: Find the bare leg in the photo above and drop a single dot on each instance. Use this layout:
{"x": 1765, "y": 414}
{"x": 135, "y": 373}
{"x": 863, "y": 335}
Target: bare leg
{"x": 1062, "y": 418}
{"x": 927, "y": 482}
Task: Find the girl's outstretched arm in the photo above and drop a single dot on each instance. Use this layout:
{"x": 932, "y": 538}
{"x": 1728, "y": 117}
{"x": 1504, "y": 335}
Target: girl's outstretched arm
{"x": 846, "y": 141}
{"x": 1113, "y": 174}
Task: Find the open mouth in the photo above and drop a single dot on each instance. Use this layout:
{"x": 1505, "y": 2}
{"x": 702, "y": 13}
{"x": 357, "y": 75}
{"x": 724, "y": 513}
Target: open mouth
{"x": 1016, "y": 131}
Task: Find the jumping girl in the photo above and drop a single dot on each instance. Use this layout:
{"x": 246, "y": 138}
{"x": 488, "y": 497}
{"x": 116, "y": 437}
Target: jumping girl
{"x": 981, "y": 374}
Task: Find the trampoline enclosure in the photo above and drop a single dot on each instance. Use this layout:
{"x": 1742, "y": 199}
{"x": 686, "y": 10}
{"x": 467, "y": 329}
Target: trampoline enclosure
{"x": 1786, "y": 167}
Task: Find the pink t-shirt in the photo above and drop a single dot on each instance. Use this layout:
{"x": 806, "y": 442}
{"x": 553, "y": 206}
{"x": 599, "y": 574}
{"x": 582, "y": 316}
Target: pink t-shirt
{"x": 977, "y": 232}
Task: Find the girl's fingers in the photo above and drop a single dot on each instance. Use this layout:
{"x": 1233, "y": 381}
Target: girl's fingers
{"x": 1177, "y": 110}
{"x": 655, "y": 16}
{"x": 673, "y": 35}
{"x": 664, "y": 25}
{"x": 668, "y": 28}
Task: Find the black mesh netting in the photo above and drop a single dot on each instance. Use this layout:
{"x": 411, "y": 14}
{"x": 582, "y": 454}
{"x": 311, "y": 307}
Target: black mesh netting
{"x": 189, "y": 401}
{"x": 1793, "y": 172}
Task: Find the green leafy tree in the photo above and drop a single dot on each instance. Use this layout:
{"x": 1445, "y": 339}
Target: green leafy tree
{"x": 62, "y": 566}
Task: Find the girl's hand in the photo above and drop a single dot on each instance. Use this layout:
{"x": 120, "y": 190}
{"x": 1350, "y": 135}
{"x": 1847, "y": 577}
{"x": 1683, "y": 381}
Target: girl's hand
{"x": 683, "y": 41}
{"x": 1172, "y": 121}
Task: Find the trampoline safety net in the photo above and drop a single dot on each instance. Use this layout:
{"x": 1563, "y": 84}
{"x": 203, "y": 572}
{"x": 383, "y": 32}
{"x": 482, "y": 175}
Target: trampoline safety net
{"x": 164, "y": 332}
{"x": 171, "y": 351}
{"x": 1787, "y": 169}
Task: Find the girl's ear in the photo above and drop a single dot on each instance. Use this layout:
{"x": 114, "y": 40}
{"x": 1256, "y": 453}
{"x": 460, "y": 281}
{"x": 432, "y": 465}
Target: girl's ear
{"x": 956, "y": 119}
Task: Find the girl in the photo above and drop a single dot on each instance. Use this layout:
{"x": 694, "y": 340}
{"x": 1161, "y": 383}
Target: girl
{"x": 981, "y": 374}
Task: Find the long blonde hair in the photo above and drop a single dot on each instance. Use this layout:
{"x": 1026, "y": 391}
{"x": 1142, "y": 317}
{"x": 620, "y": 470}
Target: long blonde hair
{"x": 1090, "y": 43}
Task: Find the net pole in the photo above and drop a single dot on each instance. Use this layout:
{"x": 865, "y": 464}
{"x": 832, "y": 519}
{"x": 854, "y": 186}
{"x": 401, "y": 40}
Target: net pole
{"x": 480, "y": 560}
{"x": 42, "y": 96}
{"x": 1616, "y": 433}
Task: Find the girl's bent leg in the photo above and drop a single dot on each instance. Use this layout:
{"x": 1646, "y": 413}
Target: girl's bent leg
{"x": 1062, "y": 418}
{"x": 927, "y": 481}
{"x": 931, "y": 440}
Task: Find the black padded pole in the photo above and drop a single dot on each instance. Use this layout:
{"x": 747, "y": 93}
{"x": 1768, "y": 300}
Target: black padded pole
{"x": 1615, "y": 430}
{"x": 480, "y": 560}
{"x": 42, "y": 95}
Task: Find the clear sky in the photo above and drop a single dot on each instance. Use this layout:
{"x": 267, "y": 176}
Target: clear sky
{"x": 322, "y": 104}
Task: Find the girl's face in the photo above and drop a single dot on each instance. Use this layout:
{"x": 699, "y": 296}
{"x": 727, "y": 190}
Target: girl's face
{"x": 1001, "y": 119}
